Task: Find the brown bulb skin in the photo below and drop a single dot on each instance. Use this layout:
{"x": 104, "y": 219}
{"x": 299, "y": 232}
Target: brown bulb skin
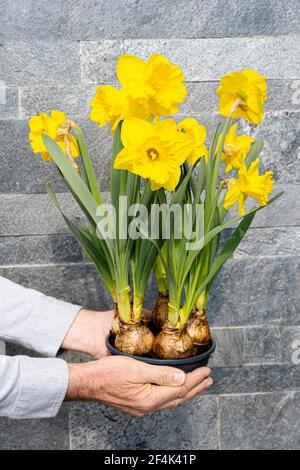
{"x": 198, "y": 329}
{"x": 116, "y": 324}
{"x": 173, "y": 344}
{"x": 160, "y": 311}
{"x": 135, "y": 339}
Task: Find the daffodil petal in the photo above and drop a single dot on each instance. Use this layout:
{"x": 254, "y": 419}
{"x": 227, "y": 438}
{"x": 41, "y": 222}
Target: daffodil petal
{"x": 135, "y": 131}
{"x": 130, "y": 67}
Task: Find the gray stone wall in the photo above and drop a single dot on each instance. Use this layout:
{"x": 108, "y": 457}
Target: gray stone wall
{"x": 52, "y": 54}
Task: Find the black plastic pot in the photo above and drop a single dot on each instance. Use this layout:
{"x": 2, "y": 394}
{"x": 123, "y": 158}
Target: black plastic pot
{"x": 188, "y": 364}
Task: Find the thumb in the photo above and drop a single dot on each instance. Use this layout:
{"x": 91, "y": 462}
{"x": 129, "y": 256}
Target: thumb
{"x": 163, "y": 375}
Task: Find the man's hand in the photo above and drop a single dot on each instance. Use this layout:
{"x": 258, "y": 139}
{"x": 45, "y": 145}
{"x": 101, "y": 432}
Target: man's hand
{"x": 133, "y": 386}
{"x": 88, "y": 333}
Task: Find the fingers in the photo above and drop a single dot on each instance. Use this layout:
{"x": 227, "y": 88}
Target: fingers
{"x": 162, "y": 396}
{"x": 165, "y": 376}
{"x": 196, "y": 377}
{"x": 198, "y": 390}
{"x": 193, "y": 379}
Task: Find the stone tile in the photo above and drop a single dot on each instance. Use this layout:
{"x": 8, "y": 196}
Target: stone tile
{"x": 33, "y": 19}
{"x": 99, "y": 142}
{"x": 290, "y": 338}
{"x": 22, "y": 171}
{"x": 25, "y": 214}
{"x": 43, "y": 62}
{"x": 193, "y": 19}
{"x": 99, "y": 60}
{"x": 210, "y": 59}
{"x": 9, "y": 102}
{"x": 230, "y": 347}
{"x": 262, "y": 345}
{"x": 202, "y": 99}
{"x": 137, "y": 19}
{"x": 76, "y": 283}
{"x": 39, "y": 250}
{"x": 18, "y": 350}
{"x": 34, "y": 214}
{"x": 43, "y": 434}
{"x": 2, "y": 347}
{"x": 74, "y": 100}
{"x": 283, "y": 95}
{"x": 280, "y": 134}
{"x": 256, "y": 291}
{"x": 277, "y": 215}
{"x": 275, "y": 241}
{"x": 259, "y": 422}
{"x": 68, "y": 356}
{"x": 255, "y": 379}
{"x": 95, "y": 427}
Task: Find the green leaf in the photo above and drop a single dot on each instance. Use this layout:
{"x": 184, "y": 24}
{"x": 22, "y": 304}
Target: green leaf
{"x": 179, "y": 194}
{"x": 88, "y": 166}
{"x": 116, "y": 175}
{"x": 217, "y": 230}
{"x": 254, "y": 152}
{"x": 71, "y": 176}
{"x": 85, "y": 241}
{"x": 227, "y": 251}
{"x": 214, "y": 144}
{"x": 192, "y": 184}
{"x": 216, "y": 165}
{"x": 200, "y": 180}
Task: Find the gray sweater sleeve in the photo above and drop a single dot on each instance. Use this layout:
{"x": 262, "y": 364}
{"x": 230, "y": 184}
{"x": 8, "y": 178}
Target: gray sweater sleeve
{"x": 30, "y": 387}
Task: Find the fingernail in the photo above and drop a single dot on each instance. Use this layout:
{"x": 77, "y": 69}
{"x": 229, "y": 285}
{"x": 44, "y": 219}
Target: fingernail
{"x": 179, "y": 378}
{"x": 210, "y": 383}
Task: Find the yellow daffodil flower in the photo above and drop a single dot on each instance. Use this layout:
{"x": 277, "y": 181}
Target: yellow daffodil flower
{"x": 157, "y": 81}
{"x": 246, "y": 89}
{"x": 235, "y": 149}
{"x": 249, "y": 183}
{"x": 197, "y": 133}
{"x": 57, "y": 127}
{"x": 153, "y": 151}
{"x": 112, "y": 105}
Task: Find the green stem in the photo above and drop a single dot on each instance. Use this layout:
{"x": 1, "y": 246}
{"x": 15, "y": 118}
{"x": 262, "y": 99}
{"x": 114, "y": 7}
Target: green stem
{"x": 173, "y": 314}
{"x": 124, "y": 304}
{"x": 216, "y": 165}
{"x": 160, "y": 276}
{"x": 137, "y": 312}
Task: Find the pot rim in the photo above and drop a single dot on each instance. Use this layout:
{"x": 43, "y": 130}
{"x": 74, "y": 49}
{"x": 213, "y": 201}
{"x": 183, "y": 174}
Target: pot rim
{"x": 164, "y": 362}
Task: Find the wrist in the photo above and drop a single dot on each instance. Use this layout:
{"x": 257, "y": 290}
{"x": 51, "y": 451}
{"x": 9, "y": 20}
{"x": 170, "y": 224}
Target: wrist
{"x": 85, "y": 333}
{"x": 77, "y": 383}
{"x": 81, "y": 382}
